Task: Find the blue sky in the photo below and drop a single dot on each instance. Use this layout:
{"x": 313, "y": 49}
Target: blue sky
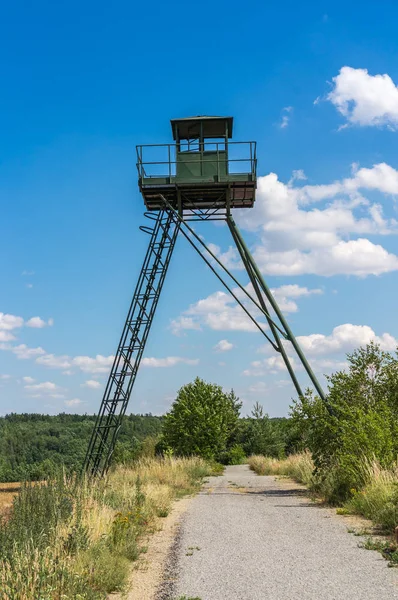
{"x": 82, "y": 83}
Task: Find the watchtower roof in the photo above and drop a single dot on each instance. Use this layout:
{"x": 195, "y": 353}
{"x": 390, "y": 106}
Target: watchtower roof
{"x": 201, "y": 126}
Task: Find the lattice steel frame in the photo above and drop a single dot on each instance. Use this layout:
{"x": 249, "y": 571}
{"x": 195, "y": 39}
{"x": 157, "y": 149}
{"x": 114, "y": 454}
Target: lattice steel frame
{"x": 132, "y": 342}
{"x": 167, "y": 224}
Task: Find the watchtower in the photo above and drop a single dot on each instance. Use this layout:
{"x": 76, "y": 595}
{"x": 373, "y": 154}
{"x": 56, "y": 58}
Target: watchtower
{"x": 202, "y": 176}
{"x": 202, "y": 169}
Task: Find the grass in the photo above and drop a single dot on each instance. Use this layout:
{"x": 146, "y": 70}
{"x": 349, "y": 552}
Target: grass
{"x": 378, "y": 499}
{"x": 299, "y": 467}
{"x": 73, "y": 539}
{"x": 8, "y": 491}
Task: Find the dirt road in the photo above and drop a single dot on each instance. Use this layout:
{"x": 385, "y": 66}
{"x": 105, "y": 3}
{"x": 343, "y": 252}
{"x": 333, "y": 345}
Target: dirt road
{"x": 246, "y": 537}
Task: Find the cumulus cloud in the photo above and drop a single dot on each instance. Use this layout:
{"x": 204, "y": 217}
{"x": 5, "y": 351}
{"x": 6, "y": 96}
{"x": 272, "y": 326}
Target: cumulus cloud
{"x": 365, "y": 100}
{"x": 230, "y": 258}
{"x": 46, "y": 387}
{"x": 168, "y": 361}
{"x": 295, "y": 238}
{"x": 223, "y": 346}
{"x": 23, "y": 352}
{"x": 97, "y": 364}
{"x": 217, "y": 311}
{"x": 91, "y": 383}
{"x": 8, "y": 323}
{"x": 87, "y": 364}
{"x": 220, "y": 312}
{"x": 54, "y": 362}
{"x": 38, "y": 323}
{"x": 343, "y": 339}
{"x": 28, "y": 379}
{"x": 182, "y": 323}
{"x": 73, "y": 402}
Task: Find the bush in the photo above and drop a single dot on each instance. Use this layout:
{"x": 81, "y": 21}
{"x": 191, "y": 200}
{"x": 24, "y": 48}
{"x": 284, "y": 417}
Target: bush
{"x": 358, "y": 425}
{"x": 234, "y": 456}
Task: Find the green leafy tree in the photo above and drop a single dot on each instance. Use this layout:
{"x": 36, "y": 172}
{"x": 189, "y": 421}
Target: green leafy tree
{"x": 261, "y": 435}
{"x": 202, "y": 420}
{"x": 361, "y": 425}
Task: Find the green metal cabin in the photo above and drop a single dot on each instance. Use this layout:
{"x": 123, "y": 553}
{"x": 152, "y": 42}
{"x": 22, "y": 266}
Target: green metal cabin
{"x": 202, "y": 169}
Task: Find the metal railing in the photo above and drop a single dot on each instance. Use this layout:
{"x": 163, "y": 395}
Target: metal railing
{"x": 164, "y": 160}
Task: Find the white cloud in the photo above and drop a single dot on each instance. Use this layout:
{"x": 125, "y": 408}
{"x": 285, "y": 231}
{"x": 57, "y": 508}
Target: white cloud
{"x": 298, "y": 175}
{"x": 27, "y": 273}
{"x": 73, "y": 402}
{"x": 28, "y": 379}
{"x": 230, "y": 258}
{"x": 217, "y": 311}
{"x": 182, "y": 323}
{"x": 3, "y": 377}
{"x": 220, "y": 312}
{"x": 46, "y": 387}
{"x": 91, "y": 383}
{"x": 9, "y": 322}
{"x": 98, "y": 364}
{"x": 295, "y": 239}
{"x": 285, "y": 293}
{"x": 87, "y": 364}
{"x": 38, "y": 323}
{"x": 54, "y": 362}
{"x": 223, "y": 346}
{"x": 23, "y": 351}
{"x": 259, "y": 386}
{"x": 256, "y": 369}
{"x": 168, "y": 361}
{"x": 365, "y": 100}
{"x": 6, "y": 336}
{"x": 286, "y": 116}
{"x": 273, "y": 364}
{"x": 343, "y": 339}
{"x": 357, "y": 257}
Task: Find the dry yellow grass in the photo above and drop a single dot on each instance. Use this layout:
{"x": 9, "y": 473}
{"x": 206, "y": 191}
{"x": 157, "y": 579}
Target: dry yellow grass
{"x": 110, "y": 519}
{"x": 297, "y": 466}
{"x": 7, "y": 493}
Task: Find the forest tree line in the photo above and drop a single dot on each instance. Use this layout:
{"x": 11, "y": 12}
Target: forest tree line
{"x": 33, "y": 446}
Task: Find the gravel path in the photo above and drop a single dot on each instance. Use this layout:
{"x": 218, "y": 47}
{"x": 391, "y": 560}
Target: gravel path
{"x": 247, "y": 537}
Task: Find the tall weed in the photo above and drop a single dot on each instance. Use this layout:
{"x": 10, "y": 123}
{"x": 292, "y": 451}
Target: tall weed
{"x": 71, "y": 538}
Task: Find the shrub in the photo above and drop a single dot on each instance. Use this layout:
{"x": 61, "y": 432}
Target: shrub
{"x": 202, "y": 420}
{"x": 358, "y": 425}
{"x": 234, "y": 456}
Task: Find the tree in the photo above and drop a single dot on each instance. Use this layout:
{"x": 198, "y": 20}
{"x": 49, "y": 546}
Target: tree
{"x": 202, "y": 420}
{"x": 262, "y": 436}
{"x": 361, "y": 425}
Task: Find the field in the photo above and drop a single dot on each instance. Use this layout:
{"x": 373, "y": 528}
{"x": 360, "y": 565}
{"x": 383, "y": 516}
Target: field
{"x": 7, "y": 494}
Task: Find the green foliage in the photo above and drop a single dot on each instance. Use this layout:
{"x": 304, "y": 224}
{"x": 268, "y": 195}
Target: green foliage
{"x": 360, "y": 427}
{"x": 234, "y": 456}
{"x": 34, "y": 446}
{"x": 260, "y": 435}
{"x": 105, "y": 570}
{"x": 202, "y": 421}
{"x": 389, "y": 550}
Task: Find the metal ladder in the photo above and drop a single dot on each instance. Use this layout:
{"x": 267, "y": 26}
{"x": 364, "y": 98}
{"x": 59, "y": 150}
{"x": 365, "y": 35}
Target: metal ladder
{"x": 132, "y": 342}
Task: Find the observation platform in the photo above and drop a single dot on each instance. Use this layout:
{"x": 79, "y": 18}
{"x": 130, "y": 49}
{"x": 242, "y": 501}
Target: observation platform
{"x": 203, "y": 169}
